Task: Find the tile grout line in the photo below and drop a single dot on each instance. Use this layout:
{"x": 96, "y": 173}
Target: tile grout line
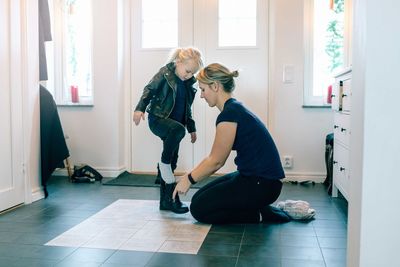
{"x": 240, "y": 245}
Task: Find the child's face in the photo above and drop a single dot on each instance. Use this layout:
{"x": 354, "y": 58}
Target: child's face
{"x": 185, "y": 69}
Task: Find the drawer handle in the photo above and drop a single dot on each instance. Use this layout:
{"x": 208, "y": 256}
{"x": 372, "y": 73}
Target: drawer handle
{"x": 342, "y": 169}
{"x": 335, "y": 126}
{"x": 344, "y": 95}
{"x": 342, "y": 129}
{"x": 333, "y": 95}
{"x": 334, "y": 162}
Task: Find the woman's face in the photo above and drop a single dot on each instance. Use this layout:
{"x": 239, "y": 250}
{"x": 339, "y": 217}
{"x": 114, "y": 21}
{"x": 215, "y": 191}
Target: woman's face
{"x": 185, "y": 69}
{"x": 209, "y": 93}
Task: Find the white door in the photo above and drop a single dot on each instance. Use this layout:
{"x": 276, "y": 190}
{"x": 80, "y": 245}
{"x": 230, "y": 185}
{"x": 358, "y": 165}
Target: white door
{"x": 146, "y": 147}
{"x": 198, "y": 25}
{"x": 11, "y": 175}
{"x": 249, "y": 58}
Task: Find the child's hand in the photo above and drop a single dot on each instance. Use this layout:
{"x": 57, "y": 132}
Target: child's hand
{"x": 137, "y": 115}
{"x": 193, "y": 137}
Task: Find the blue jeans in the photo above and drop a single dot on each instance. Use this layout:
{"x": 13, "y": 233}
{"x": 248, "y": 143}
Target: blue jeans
{"x": 171, "y": 133}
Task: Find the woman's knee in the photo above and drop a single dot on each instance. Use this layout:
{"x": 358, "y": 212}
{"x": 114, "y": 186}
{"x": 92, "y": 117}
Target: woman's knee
{"x": 198, "y": 212}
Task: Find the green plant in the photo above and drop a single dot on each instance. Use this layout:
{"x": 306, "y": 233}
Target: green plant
{"x": 334, "y": 46}
{"x": 71, "y": 38}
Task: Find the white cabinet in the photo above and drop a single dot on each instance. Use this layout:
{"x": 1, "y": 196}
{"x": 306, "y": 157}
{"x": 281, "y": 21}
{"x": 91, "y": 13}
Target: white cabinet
{"x": 341, "y": 105}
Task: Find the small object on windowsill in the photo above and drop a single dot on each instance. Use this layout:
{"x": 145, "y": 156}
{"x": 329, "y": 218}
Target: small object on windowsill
{"x": 74, "y": 94}
{"x": 329, "y": 95}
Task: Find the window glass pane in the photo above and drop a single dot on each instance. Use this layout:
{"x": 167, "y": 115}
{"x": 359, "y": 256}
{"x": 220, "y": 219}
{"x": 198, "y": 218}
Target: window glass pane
{"x": 237, "y": 22}
{"x": 49, "y": 46}
{"x": 159, "y": 25}
{"x": 78, "y": 50}
{"x": 328, "y": 43}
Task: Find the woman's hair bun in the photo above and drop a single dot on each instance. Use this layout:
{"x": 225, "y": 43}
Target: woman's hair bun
{"x": 235, "y": 73}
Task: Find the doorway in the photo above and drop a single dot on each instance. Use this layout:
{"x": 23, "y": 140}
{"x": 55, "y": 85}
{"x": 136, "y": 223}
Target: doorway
{"x": 200, "y": 24}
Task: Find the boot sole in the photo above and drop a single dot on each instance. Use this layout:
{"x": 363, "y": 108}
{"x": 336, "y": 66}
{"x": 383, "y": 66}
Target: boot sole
{"x": 177, "y": 212}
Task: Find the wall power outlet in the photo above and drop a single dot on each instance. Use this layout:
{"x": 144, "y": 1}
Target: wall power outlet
{"x": 287, "y": 162}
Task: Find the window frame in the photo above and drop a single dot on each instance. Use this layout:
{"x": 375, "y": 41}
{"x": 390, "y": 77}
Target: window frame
{"x": 160, "y": 48}
{"x": 238, "y": 46}
{"x": 57, "y": 66}
{"x": 309, "y": 99}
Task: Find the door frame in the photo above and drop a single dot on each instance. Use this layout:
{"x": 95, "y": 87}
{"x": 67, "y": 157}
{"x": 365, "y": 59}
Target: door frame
{"x": 30, "y": 100}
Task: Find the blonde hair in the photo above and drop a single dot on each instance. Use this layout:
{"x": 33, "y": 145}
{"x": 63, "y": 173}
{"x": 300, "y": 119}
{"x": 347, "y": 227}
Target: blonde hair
{"x": 216, "y": 72}
{"x": 186, "y": 53}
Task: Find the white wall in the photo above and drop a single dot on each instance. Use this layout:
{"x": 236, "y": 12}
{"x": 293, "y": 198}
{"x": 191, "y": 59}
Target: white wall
{"x": 99, "y": 136}
{"x": 298, "y": 131}
{"x": 374, "y": 186}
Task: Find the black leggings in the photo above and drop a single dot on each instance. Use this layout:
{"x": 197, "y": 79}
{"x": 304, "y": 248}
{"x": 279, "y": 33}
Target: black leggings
{"x": 171, "y": 133}
{"x": 233, "y": 198}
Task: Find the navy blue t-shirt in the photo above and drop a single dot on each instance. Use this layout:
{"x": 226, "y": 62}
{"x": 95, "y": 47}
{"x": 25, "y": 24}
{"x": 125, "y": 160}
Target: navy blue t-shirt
{"x": 257, "y": 155}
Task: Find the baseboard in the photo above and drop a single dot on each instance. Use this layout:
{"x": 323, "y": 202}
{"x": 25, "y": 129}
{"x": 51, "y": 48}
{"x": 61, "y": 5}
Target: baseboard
{"x": 104, "y": 171}
{"x": 301, "y": 177}
{"x": 37, "y": 194}
{"x": 290, "y": 176}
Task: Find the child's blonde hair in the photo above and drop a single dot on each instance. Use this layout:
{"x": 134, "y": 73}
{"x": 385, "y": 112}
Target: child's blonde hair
{"x": 218, "y": 73}
{"x": 186, "y": 53}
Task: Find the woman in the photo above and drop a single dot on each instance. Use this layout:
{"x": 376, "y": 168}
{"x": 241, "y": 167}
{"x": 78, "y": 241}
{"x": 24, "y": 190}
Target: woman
{"x": 242, "y": 196}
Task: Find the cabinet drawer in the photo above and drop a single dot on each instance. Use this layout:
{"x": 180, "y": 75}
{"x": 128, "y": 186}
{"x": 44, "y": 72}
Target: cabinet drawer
{"x": 341, "y": 171}
{"x": 341, "y": 128}
{"x": 336, "y": 88}
{"x": 346, "y": 95}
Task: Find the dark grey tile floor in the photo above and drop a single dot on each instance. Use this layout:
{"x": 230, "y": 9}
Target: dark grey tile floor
{"x": 321, "y": 242}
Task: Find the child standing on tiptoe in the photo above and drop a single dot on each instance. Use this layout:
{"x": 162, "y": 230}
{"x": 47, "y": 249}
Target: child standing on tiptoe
{"x": 168, "y": 99}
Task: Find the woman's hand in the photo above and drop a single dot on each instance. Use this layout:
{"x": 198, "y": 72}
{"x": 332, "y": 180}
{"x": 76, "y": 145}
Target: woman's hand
{"x": 137, "y": 115}
{"x": 193, "y": 137}
{"x": 182, "y": 186}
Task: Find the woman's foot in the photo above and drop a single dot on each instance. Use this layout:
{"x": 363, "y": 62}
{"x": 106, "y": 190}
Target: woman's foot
{"x": 273, "y": 214}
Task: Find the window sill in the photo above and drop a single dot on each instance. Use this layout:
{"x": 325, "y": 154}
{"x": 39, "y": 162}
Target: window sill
{"x": 70, "y": 104}
{"x": 316, "y": 106}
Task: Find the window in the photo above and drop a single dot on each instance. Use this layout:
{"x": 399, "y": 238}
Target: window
{"x": 237, "y": 22}
{"x": 324, "y": 47}
{"x": 159, "y": 25}
{"x": 69, "y": 56}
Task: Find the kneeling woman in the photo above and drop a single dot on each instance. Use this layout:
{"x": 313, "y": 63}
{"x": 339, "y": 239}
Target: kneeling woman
{"x": 245, "y": 195}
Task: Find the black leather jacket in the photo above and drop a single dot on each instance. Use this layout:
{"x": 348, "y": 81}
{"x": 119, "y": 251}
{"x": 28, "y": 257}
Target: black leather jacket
{"x": 158, "y": 96}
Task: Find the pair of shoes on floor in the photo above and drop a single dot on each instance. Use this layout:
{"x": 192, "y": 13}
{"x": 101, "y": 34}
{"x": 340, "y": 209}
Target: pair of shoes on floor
{"x": 271, "y": 214}
{"x": 85, "y": 174}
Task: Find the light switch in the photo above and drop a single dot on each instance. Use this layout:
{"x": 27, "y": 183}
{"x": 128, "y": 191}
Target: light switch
{"x": 288, "y": 73}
